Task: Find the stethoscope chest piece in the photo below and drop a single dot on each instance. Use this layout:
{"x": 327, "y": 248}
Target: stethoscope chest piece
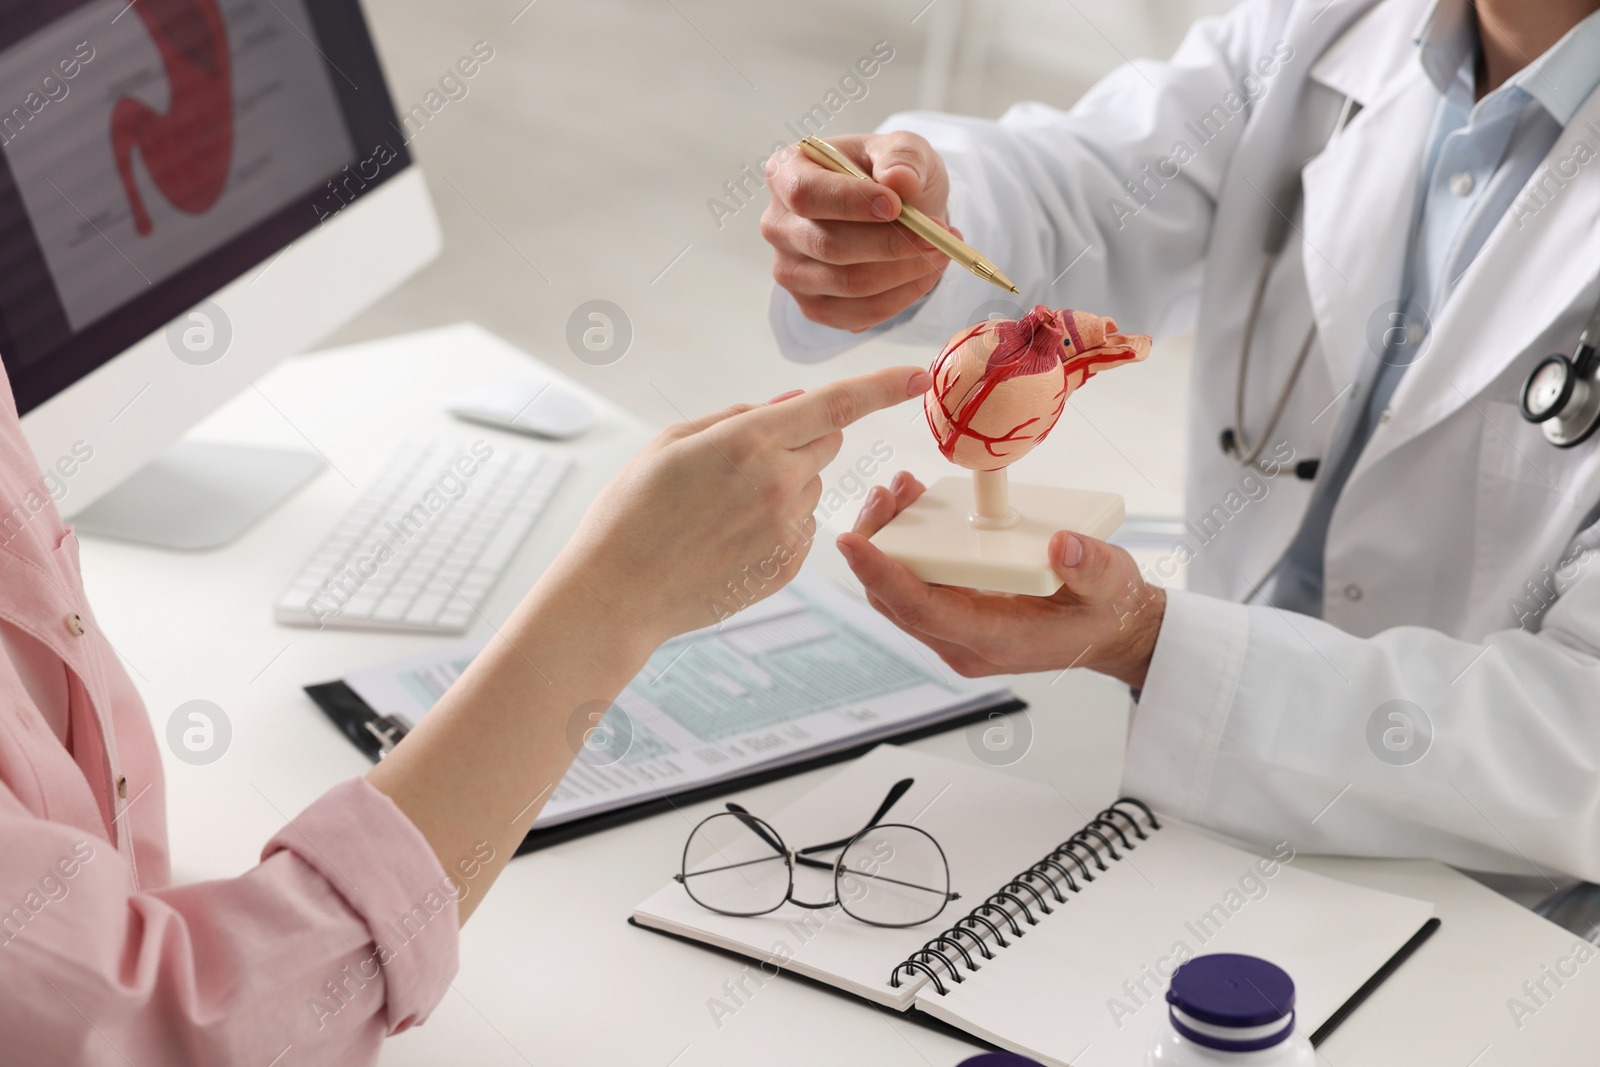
{"x": 1563, "y": 397}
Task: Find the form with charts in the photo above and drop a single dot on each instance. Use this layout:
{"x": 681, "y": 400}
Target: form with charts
{"x": 806, "y": 672}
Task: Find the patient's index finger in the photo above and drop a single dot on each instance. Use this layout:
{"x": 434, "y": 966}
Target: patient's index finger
{"x": 832, "y": 407}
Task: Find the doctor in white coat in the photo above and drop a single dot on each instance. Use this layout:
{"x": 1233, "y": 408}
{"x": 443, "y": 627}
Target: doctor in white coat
{"x": 1390, "y": 639}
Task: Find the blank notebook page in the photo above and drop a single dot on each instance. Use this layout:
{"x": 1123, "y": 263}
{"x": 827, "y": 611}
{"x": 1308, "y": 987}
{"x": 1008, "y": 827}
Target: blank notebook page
{"x": 1069, "y": 990}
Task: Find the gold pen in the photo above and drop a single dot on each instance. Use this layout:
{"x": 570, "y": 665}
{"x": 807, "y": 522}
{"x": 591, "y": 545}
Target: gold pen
{"x": 820, "y": 151}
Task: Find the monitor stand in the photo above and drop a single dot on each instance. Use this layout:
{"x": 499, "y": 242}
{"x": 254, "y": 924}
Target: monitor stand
{"x": 198, "y": 495}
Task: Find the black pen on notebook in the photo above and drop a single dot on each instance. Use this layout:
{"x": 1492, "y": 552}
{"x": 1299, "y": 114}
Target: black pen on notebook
{"x": 821, "y": 152}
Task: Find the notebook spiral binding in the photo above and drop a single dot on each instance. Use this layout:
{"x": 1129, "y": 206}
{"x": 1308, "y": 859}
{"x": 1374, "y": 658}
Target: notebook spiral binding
{"x": 990, "y": 920}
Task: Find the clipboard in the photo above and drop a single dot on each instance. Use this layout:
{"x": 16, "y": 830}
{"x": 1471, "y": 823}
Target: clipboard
{"x": 376, "y": 735}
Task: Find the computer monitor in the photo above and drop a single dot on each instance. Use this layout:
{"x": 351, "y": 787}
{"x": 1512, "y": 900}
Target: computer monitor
{"x": 190, "y": 190}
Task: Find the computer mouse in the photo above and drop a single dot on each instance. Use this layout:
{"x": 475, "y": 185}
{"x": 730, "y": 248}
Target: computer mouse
{"x": 540, "y": 408}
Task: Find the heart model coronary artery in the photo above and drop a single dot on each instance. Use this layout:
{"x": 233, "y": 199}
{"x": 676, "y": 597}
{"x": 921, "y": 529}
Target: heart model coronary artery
{"x": 1000, "y": 385}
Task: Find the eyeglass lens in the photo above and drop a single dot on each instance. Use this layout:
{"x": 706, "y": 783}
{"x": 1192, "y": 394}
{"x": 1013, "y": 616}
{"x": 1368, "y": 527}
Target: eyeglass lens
{"x": 731, "y": 865}
{"x": 893, "y": 875}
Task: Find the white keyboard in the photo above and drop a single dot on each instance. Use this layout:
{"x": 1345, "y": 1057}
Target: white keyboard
{"x": 427, "y": 540}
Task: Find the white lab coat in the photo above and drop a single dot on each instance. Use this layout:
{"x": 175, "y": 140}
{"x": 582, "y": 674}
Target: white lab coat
{"x": 1254, "y": 720}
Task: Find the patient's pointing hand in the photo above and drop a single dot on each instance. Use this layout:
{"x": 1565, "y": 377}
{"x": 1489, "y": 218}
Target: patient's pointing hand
{"x": 716, "y": 513}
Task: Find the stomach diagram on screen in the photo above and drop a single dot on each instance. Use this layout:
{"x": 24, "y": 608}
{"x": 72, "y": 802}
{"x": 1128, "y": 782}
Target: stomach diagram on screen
{"x": 188, "y": 149}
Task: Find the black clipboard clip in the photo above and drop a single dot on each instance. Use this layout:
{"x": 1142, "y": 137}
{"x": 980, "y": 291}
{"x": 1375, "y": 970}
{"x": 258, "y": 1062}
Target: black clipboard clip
{"x": 375, "y": 735}
{"x": 388, "y": 729}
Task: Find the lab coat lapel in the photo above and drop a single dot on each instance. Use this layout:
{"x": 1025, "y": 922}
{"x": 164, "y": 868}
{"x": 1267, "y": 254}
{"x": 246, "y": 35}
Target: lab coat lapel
{"x": 1358, "y": 210}
{"x": 1535, "y": 264}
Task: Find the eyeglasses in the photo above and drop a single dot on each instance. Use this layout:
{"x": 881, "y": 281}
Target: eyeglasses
{"x": 885, "y": 874}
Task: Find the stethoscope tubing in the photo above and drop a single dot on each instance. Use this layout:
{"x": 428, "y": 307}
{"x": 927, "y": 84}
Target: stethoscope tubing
{"x": 1583, "y": 367}
{"x": 1243, "y": 451}
{"x": 1246, "y": 452}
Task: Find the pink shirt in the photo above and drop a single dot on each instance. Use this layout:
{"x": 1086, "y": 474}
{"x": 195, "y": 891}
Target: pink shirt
{"x": 102, "y": 961}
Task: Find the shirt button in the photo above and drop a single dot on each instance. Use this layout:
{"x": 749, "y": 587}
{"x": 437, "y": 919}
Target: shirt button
{"x": 122, "y": 787}
{"x": 1385, "y": 415}
{"x": 1461, "y": 184}
{"x": 1352, "y": 592}
{"x": 75, "y": 623}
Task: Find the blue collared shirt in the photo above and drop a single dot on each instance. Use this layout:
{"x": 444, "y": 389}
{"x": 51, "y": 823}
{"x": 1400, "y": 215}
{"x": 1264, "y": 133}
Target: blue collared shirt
{"x": 1478, "y": 157}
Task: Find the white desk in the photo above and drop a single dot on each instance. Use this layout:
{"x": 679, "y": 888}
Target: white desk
{"x": 550, "y": 972}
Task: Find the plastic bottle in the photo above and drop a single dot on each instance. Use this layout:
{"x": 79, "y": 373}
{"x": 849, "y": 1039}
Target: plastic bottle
{"x": 1229, "y": 1010}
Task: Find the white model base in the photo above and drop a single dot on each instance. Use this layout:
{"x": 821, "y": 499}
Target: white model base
{"x": 935, "y": 541}
{"x": 198, "y": 495}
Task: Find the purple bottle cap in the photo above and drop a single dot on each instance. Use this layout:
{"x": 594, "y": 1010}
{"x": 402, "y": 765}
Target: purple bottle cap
{"x": 999, "y": 1059}
{"x": 1213, "y": 995}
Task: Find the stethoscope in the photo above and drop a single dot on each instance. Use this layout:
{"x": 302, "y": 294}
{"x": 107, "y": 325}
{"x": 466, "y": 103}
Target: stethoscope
{"x": 1561, "y": 394}
{"x": 1233, "y": 441}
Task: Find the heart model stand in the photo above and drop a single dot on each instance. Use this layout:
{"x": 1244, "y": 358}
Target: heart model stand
{"x": 999, "y": 388}
{"x": 944, "y": 539}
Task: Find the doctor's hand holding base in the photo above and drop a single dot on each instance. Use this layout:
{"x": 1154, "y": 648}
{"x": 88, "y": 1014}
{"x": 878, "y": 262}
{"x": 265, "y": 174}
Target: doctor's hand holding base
{"x": 1105, "y": 616}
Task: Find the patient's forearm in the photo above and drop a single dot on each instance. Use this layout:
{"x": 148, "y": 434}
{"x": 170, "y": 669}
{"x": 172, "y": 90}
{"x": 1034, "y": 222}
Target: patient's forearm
{"x": 485, "y": 760}
{"x": 698, "y": 505}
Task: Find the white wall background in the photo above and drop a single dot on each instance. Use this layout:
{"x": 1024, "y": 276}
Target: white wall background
{"x": 580, "y": 162}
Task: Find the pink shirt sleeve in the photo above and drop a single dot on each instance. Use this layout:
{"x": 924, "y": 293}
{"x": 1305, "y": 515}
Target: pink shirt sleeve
{"x": 344, "y": 933}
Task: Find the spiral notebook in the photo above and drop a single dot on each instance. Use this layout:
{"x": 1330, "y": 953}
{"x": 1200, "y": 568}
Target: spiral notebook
{"x": 1083, "y": 982}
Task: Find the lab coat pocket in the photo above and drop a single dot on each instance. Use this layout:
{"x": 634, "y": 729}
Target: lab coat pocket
{"x": 1513, "y": 449}
{"x": 1530, "y": 499}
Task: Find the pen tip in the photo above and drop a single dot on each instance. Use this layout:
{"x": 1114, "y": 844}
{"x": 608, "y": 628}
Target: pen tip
{"x": 1014, "y": 289}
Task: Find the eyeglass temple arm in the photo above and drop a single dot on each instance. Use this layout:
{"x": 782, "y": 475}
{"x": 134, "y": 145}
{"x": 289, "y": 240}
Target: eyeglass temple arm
{"x": 755, "y": 826}
{"x": 776, "y": 845}
{"x": 948, "y": 894}
{"x": 896, "y": 791}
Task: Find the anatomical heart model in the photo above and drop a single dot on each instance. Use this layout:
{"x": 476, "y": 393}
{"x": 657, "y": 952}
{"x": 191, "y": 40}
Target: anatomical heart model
{"x": 998, "y": 388}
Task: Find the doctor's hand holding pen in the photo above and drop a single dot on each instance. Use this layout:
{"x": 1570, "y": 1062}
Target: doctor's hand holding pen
{"x": 700, "y": 506}
{"x": 835, "y": 251}
{"x": 1105, "y": 616}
